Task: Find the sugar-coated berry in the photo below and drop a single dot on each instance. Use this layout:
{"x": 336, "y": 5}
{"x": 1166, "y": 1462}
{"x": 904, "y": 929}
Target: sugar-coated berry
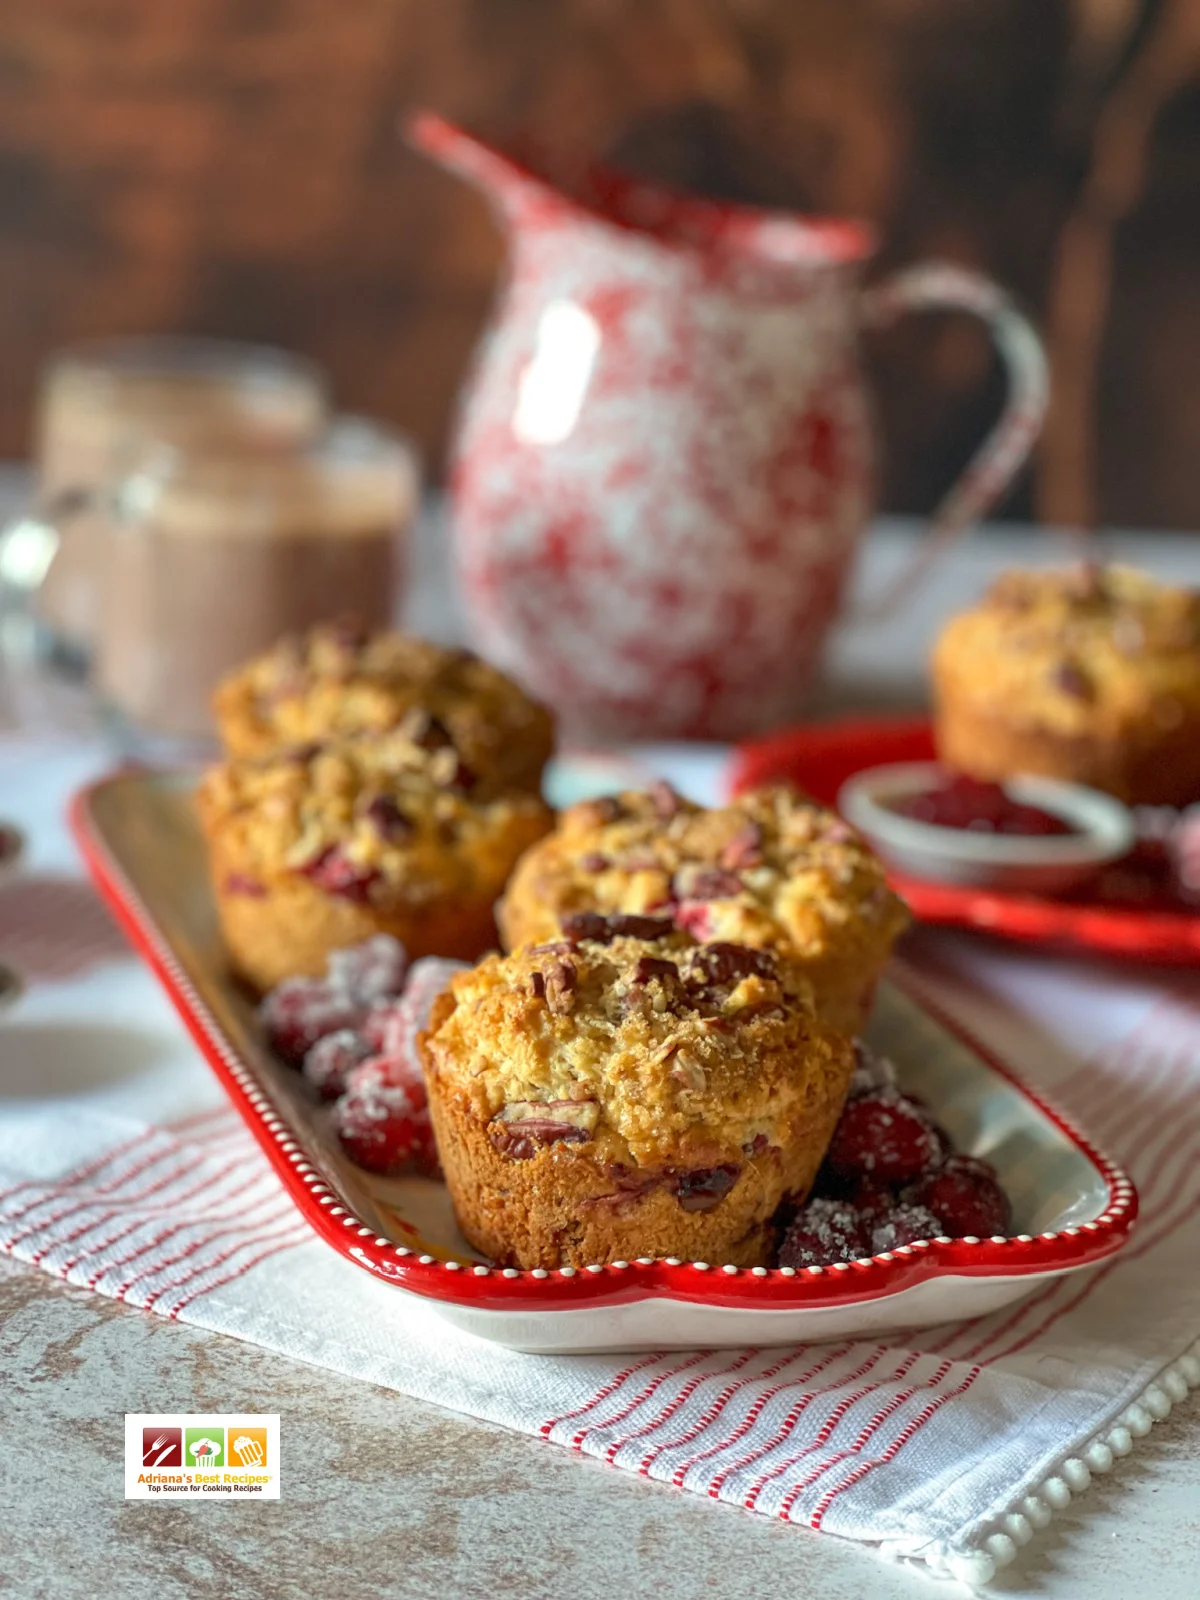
{"x": 378, "y": 1123}
{"x": 823, "y": 1231}
{"x": 884, "y": 1137}
{"x": 299, "y": 1011}
{"x": 330, "y": 1060}
{"x": 371, "y": 971}
{"x": 904, "y": 1224}
{"x": 965, "y": 1193}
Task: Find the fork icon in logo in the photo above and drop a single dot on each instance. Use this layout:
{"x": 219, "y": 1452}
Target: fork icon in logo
{"x": 162, "y": 1447}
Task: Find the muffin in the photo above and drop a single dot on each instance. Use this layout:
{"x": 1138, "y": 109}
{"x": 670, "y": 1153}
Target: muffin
{"x": 313, "y": 850}
{"x": 338, "y": 680}
{"x": 1090, "y": 674}
{"x": 772, "y": 870}
{"x": 623, "y": 1092}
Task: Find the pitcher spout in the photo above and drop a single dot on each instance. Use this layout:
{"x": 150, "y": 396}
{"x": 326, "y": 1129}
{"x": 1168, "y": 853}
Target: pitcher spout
{"x": 504, "y": 181}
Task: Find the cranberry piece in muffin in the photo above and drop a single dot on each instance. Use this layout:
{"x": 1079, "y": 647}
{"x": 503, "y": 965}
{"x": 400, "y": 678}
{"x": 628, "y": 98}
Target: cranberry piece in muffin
{"x": 612, "y": 1096}
{"x": 771, "y": 870}
{"x": 305, "y": 826}
{"x": 338, "y": 681}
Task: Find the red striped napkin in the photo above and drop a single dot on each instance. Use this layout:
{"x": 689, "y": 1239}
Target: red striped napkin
{"x": 121, "y": 1170}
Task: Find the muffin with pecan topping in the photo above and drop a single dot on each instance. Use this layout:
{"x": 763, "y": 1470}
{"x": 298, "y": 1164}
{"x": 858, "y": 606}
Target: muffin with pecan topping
{"x": 622, "y": 1091}
{"x": 771, "y": 869}
{"x": 313, "y": 850}
{"x": 1089, "y": 673}
{"x": 339, "y": 680}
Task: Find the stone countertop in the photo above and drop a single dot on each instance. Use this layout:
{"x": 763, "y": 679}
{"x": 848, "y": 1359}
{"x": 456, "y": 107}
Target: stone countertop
{"x": 384, "y": 1496}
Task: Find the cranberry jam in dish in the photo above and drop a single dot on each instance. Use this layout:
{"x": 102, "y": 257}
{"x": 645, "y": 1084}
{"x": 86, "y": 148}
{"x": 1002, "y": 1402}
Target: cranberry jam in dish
{"x": 956, "y": 801}
{"x": 622, "y": 1091}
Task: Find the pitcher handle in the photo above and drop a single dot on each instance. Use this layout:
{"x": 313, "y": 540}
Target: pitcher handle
{"x": 939, "y": 286}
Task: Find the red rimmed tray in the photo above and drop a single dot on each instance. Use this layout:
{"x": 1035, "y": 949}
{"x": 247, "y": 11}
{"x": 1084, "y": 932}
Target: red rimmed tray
{"x": 143, "y": 850}
{"x": 822, "y": 756}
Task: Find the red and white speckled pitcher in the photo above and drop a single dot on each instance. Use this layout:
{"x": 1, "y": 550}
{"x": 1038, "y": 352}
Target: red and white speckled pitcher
{"x": 664, "y": 459}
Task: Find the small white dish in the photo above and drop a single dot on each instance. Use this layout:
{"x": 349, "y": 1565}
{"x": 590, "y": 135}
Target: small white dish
{"x": 1104, "y": 832}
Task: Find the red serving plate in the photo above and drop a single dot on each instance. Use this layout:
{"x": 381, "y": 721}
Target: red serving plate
{"x": 821, "y": 757}
{"x": 142, "y": 847}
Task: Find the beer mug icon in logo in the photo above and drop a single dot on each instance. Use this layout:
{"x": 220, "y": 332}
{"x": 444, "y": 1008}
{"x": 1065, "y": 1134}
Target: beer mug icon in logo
{"x": 248, "y": 1447}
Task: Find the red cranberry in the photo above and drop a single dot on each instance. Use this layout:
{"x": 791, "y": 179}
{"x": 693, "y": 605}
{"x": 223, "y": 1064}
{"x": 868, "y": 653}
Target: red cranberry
{"x": 824, "y": 1231}
{"x": 239, "y": 883}
{"x": 302, "y": 1010}
{"x": 704, "y": 1188}
{"x": 371, "y": 971}
{"x": 331, "y": 1058}
{"x": 884, "y": 1137}
{"x": 336, "y": 874}
{"x": 904, "y": 1224}
{"x": 694, "y": 917}
{"x": 966, "y": 1195}
{"x": 380, "y": 1126}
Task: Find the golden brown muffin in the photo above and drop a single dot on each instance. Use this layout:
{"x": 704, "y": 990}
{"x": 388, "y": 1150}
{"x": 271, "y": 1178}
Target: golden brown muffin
{"x": 771, "y": 869}
{"x": 314, "y": 850}
{"x": 1089, "y": 673}
{"x": 337, "y": 680}
{"x": 624, "y": 1092}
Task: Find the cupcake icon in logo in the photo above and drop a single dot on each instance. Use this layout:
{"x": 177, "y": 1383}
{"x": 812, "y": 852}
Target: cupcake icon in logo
{"x": 204, "y": 1448}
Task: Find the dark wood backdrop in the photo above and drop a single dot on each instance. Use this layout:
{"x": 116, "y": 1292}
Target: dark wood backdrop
{"x": 233, "y": 167}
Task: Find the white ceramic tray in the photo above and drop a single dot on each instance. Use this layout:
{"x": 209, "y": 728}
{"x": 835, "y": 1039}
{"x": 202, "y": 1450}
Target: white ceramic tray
{"x": 1072, "y": 1205}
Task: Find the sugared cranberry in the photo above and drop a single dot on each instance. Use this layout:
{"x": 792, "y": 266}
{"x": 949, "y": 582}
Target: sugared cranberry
{"x": 371, "y": 971}
{"x": 967, "y": 1197}
{"x": 884, "y": 1137}
{"x": 823, "y": 1231}
{"x": 904, "y": 1224}
{"x": 380, "y": 1125}
{"x": 299, "y": 1011}
{"x": 331, "y": 1058}
{"x": 334, "y": 872}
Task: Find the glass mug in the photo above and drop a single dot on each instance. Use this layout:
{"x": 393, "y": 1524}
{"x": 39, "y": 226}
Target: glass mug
{"x": 98, "y": 401}
{"x": 211, "y": 554}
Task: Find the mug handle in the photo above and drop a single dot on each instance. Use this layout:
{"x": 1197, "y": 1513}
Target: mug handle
{"x": 942, "y": 286}
{"x": 28, "y": 544}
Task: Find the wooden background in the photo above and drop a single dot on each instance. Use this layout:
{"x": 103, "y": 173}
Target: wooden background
{"x": 233, "y": 167}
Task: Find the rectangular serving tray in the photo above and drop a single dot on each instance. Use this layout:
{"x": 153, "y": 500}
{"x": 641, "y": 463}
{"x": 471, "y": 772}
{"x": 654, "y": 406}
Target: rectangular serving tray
{"x": 1073, "y": 1205}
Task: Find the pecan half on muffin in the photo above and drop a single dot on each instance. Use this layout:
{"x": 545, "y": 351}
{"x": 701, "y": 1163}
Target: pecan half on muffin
{"x": 339, "y": 680}
{"x": 623, "y": 1091}
{"x": 313, "y": 850}
{"x": 772, "y": 870}
{"x": 1090, "y": 673}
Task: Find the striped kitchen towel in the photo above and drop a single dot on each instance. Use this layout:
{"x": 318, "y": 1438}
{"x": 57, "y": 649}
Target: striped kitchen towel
{"x": 122, "y": 1170}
